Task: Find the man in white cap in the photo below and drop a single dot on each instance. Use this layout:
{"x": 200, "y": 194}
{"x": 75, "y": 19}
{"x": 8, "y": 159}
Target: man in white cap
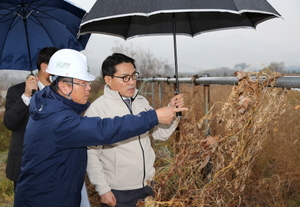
{"x": 54, "y": 157}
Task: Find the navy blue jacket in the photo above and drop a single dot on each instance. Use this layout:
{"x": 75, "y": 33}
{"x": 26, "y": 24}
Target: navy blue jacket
{"x": 55, "y": 157}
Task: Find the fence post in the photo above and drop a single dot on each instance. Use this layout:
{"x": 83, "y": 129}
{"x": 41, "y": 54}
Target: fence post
{"x": 206, "y": 93}
{"x": 152, "y": 94}
{"x": 160, "y": 94}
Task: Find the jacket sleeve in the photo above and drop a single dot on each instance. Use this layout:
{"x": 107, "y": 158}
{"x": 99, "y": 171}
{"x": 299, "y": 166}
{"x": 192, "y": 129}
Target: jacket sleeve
{"x": 164, "y": 131}
{"x": 161, "y": 131}
{"x": 95, "y": 170}
{"x": 16, "y": 110}
{"x": 77, "y": 131}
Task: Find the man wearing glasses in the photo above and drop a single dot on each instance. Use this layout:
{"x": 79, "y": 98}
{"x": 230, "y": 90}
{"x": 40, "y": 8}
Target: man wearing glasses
{"x": 121, "y": 172}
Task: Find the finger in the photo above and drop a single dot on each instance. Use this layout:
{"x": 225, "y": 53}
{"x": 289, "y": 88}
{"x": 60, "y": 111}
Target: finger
{"x": 179, "y": 96}
{"x": 31, "y": 77}
{"x": 179, "y": 103}
{"x": 176, "y": 97}
{"x": 180, "y": 109}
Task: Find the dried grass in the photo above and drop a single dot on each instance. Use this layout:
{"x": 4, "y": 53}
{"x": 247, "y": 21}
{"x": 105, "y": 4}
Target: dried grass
{"x": 183, "y": 177}
{"x": 252, "y": 149}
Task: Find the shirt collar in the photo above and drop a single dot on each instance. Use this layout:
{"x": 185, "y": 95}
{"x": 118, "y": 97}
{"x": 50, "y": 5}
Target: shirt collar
{"x": 40, "y": 85}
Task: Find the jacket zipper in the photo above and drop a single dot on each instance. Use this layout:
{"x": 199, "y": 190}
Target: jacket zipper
{"x": 143, "y": 152}
{"x": 144, "y": 164}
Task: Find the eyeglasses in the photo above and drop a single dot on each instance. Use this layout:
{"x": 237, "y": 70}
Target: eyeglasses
{"x": 127, "y": 78}
{"x": 80, "y": 84}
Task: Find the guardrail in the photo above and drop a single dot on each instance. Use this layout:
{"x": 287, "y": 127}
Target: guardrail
{"x": 288, "y": 82}
{"x": 285, "y": 81}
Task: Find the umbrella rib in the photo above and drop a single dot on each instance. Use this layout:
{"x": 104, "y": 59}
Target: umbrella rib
{"x": 190, "y": 22}
{"x": 35, "y": 19}
{"x": 9, "y": 11}
{"x": 49, "y": 17}
{"x": 12, "y": 25}
{"x": 127, "y": 32}
{"x": 42, "y": 29}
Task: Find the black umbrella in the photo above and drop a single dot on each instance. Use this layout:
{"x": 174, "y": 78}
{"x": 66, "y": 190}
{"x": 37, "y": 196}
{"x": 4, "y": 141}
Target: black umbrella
{"x": 29, "y": 25}
{"x": 132, "y": 18}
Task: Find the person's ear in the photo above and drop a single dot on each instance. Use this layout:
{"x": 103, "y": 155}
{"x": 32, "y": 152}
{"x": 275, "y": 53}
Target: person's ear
{"x": 108, "y": 79}
{"x": 43, "y": 67}
{"x": 64, "y": 87}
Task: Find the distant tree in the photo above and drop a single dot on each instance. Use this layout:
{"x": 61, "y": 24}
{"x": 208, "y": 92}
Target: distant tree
{"x": 240, "y": 66}
{"x": 3, "y": 79}
{"x": 218, "y": 71}
{"x": 129, "y": 51}
{"x": 97, "y": 88}
{"x": 276, "y": 66}
{"x": 2, "y": 101}
{"x": 147, "y": 64}
{"x": 168, "y": 70}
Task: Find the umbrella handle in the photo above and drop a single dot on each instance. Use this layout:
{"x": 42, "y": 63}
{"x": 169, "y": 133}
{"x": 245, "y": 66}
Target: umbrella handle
{"x": 33, "y": 90}
{"x": 178, "y": 114}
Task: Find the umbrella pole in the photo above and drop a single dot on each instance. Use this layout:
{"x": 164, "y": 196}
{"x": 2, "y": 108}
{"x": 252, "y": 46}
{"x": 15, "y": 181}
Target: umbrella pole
{"x": 27, "y": 41}
{"x": 178, "y": 114}
{"x": 175, "y": 55}
{"x": 28, "y": 49}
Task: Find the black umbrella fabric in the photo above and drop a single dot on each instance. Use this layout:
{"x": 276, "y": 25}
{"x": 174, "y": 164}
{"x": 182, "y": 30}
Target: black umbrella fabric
{"x": 131, "y": 18}
{"x": 29, "y": 25}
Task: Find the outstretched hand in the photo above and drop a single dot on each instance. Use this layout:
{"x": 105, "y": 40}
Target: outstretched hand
{"x": 166, "y": 115}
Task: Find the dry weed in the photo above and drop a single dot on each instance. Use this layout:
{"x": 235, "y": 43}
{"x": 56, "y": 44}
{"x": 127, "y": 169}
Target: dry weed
{"x": 185, "y": 179}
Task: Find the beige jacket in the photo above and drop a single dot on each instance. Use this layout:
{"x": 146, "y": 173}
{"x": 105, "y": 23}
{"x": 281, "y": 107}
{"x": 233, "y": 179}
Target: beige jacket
{"x": 125, "y": 165}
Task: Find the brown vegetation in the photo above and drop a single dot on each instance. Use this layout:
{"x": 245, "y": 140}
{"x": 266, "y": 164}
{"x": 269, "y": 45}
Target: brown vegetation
{"x": 247, "y": 158}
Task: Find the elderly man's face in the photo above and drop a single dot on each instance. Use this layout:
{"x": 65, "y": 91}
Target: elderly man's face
{"x": 126, "y": 89}
{"x": 80, "y": 91}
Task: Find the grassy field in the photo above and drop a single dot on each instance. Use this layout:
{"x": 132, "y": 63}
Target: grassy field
{"x": 6, "y": 186}
{"x": 252, "y": 154}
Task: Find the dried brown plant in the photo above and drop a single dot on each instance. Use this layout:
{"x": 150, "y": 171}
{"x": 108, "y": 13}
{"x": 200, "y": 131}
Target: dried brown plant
{"x": 185, "y": 179}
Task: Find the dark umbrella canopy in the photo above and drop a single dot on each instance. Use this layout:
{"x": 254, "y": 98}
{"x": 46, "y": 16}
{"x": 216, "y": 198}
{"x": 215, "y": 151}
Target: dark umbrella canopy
{"x": 132, "y": 18}
{"x": 29, "y": 25}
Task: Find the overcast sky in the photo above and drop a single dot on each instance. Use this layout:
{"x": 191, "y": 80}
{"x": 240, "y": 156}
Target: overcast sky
{"x": 275, "y": 40}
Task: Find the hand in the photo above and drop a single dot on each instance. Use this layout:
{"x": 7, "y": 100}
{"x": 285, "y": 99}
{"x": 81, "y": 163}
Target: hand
{"x": 166, "y": 115}
{"x": 177, "y": 101}
{"x": 30, "y": 84}
{"x": 109, "y": 199}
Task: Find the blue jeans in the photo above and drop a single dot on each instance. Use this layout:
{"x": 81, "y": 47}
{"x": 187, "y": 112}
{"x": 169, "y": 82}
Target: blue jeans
{"x": 129, "y": 198}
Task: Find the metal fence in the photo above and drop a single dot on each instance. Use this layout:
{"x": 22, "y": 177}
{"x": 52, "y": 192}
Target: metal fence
{"x": 288, "y": 82}
{"x": 284, "y": 82}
